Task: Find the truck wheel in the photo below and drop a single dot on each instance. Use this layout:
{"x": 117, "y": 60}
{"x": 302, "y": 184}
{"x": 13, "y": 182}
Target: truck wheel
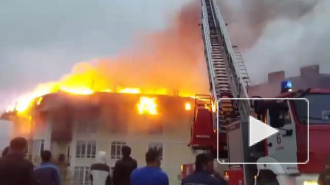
{"x": 267, "y": 177}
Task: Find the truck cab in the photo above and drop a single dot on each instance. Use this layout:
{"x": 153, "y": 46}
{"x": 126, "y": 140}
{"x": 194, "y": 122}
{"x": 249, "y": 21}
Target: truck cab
{"x": 300, "y": 150}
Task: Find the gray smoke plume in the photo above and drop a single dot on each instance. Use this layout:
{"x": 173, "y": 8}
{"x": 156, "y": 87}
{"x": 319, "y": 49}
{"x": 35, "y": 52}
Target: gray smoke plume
{"x": 279, "y": 35}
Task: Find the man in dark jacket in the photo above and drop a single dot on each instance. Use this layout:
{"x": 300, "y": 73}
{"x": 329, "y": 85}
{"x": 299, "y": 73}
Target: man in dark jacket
{"x": 14, "y": 168}
{"x": 47, "y": 173}
{"x": 204, "y": 174}
{"x": 124, "y": 167}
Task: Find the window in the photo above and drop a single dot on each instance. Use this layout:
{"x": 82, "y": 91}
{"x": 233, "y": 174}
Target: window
{"x": 155, "y": 127}
{"x": 119, "y": 127}
{"x": 279, "y": 114}
{"x": 87, "y": 127}
{"x": 319, "y": 109}
{"x": 68, "y": 156}
{"x": 38, "y": 146}
{"x": 118, "y": 124}
{"x": 116, "y": 149}
{"x": 81, "y": 175}
{"x": 85, "y": 149}
{"x": 285, "y": 115}
{"x": 158, "y": 146}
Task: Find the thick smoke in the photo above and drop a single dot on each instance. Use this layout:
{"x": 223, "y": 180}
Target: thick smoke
{"x": 171, "y": 59}
{"x": 279, "y": 35}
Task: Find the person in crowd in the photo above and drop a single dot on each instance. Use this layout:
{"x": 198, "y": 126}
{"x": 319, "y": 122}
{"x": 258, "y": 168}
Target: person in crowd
{"x": 124, "y": 167}
{"x": 324, "y": 178}
{"x": 100, "y": 171}
{"x": 63, "y": 166}
{"x": 14, "y": 168}
{"x": 152, "y": 173}
{"x": 204, "y": 173}
{"x": 47, "y": 173}
{"x": 5, "y": 151}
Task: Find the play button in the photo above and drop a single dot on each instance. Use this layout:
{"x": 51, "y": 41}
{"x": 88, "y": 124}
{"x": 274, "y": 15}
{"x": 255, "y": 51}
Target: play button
{"x": 259, "y": 131}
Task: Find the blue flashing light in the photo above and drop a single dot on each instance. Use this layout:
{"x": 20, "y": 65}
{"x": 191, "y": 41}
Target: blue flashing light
{"x": 286, "y": 86}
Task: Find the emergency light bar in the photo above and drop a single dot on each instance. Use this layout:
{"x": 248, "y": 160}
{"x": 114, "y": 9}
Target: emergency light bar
{"x": 286, "y": 86}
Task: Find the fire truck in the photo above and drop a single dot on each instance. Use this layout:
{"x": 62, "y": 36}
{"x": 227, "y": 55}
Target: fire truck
{"x": 295, "y": 155}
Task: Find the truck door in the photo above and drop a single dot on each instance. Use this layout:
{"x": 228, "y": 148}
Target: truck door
{"x": 282, "y": 146}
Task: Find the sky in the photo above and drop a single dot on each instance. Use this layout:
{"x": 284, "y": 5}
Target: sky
{"x": 41, "y": 40}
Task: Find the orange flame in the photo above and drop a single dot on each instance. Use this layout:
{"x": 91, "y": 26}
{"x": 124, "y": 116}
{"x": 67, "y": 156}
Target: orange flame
{"x": 147, "y": 106}
{"x": 81, "y": 91}
{"x": 188, "y": 106}
{"x": 170, "y": 62}
{"x": 130, "y": 90}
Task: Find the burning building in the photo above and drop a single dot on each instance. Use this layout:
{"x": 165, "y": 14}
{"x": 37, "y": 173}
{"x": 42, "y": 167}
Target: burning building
{"x": 80, "y": 125}
{"x": 140, "y": 98}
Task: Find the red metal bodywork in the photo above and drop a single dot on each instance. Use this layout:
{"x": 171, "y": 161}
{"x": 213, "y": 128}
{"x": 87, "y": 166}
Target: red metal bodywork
{"x": 235, "y": 176}
{"x": 319, "y": 135}
{"x": 187, "y": 169}
{"x": 319, "y": 148}
{"x": 203, "y": 134}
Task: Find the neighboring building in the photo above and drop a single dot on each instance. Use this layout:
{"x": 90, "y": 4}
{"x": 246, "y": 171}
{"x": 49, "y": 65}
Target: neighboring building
{"x": 79, "y": 126}
{"x": 310, "y": 77}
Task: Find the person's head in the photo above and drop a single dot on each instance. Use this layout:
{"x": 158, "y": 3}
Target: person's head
{"x": 101, "y": 157}
{"x": 46, "y": 156}
{"x": 18, "y": 144}
{"x": 61, "y": 158}
{"x": 204, "y": 162}
{"x": 126, "y": 151}
{"x": 5, "y": 151}
{"x": 153, "y": 158}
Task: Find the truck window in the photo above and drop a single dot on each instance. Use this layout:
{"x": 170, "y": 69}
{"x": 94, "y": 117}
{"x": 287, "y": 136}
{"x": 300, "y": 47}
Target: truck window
{"x": 286, "y": 116}
{"x": 279, "y": 114}
{"x": 319, "y": 109}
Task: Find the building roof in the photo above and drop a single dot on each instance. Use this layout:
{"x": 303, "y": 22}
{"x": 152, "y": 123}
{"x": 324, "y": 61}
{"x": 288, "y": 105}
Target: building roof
{"x": 310, "y": 77}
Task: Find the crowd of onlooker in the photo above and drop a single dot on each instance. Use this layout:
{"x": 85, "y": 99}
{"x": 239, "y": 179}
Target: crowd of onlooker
{"x": 15, "y": 169}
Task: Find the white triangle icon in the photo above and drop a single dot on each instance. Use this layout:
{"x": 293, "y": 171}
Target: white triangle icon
{"x": 259, "y": 131}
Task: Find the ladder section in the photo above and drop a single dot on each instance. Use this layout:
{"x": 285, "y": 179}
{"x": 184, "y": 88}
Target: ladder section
{"x": 238, "y": 85}
{"x": 217, "y": 66}
{"x": 241, "y": 67}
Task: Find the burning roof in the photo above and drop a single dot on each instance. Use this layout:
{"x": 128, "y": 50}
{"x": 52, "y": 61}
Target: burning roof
{"x": 62, "y": 110}
{"x": 169, "y": 62}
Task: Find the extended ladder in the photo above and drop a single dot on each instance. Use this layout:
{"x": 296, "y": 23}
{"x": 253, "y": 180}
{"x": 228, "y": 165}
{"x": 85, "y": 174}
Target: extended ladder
{"x": 241, "y": 67}
{"x": 225, "y": 77}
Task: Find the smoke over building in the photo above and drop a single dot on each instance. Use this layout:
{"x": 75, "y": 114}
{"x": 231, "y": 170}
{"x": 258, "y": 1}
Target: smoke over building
{"x": 279, "y": 35}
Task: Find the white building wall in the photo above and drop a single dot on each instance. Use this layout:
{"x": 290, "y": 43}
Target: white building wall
{"x": 175, "y": 138}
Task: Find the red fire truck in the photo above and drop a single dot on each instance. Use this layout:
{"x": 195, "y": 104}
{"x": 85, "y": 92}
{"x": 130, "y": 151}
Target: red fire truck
{"x": 296, "y": 155}
{"x": 290, "y": 144}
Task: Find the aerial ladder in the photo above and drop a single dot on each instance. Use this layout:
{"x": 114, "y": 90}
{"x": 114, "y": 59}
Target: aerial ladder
{"x": 228, "y": 79}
